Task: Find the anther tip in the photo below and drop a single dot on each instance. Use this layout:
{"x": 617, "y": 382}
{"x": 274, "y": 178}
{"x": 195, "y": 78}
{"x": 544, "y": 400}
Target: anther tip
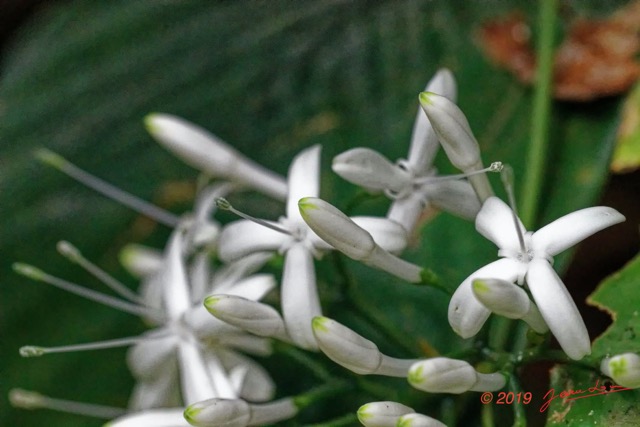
{"x": 50, "y": 158}
{"x": 223, "y": 204}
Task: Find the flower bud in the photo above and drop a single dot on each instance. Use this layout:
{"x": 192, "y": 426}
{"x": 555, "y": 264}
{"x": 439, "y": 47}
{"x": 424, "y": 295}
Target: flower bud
{"x": 442, "y": 375}
{"x": 382, "y": 414}
{"x": 337, "y": 229}
{"x": 509, "y": 300}
{"x": 219, "y": 413}
{"x": 204, "y": 151}
{"x": 453, "y": 130}
{"x": 345, "y": 347}
{"x": 254, "y": 317}
{"x": 623, "y": 368}
{"x": 418, "y": 420}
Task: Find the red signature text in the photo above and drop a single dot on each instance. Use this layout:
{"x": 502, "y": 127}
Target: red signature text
{"x": 570, "y": 394}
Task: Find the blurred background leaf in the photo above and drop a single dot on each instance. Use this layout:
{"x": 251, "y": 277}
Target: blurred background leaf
{"x": 269, "y": 78}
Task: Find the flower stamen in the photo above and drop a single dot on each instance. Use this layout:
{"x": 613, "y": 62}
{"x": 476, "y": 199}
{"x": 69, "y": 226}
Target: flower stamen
{"x": 224, "y": 205}
{"x": 31, "y": 400}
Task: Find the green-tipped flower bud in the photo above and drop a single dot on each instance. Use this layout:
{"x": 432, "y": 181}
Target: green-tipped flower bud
{"x": 382, "y": 414}
{"x": 337, "y": 229}
{"x": 345, "y": 347}
{"x": 219, "y": 413}
{"x": 418, "y": 420}
{"x": 444, "y": 375}
{"x": 252, "y": 316}
{"x": 509, "y": 300}
{"x": 624, "y": 369}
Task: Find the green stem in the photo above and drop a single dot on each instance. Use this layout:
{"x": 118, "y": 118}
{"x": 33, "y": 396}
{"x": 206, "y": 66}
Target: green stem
{"x": 368, "y": 312}
{"x": 345, "y": 420}
{"x": 536, "y": 155}
{"x": 322, "y": 392}
{"x": 305, "y": 360}
{"x": 487, "y": 416}
{"x": 519, "y": 415}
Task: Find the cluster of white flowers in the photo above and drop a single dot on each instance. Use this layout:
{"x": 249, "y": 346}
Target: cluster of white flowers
{"x": 206, "y": 320}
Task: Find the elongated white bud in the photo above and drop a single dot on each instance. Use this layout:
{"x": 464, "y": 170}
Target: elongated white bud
{"x": 457, "y": 140}
{"x": 204, "y": 151}
{"x": 341, "y": 232}
{"x": 418, "y": 420}
{"x": 354, "y": 352}
{"x": 382, "y": 414}
{"x": 444, "y": 375}
{"x": 141, "y": 261}
{"x": 345, "y": 347}
{"x": 254, "y": 317}
{"x": 238, "y": 413}
{"x": 509, "y": 300}
{"x": 623, "y": 368}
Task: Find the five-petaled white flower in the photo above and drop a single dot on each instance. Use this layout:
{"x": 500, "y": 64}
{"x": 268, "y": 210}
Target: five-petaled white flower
{"x": 529, "y": 262}
{"x": 299, "y": 244}
{"x": 412, "y": 183}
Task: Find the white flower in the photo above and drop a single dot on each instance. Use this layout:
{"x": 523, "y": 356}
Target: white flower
{"x": 411, "y": 183}
{"x": 298, "y": 243}
{"x": 204, "y": 151}
{"x": 191, "y": 337}
{"x": 624, "y": 369}
{"x": 445, "y": 375}
{"x": 531, "y": 264}
{"x": 382, "y": 414}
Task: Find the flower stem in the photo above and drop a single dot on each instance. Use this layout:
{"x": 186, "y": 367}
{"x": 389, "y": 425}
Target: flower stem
{"x": 536, "y": 154}
{"x": 330, "y": 389}
{"x": 345, "y": 420}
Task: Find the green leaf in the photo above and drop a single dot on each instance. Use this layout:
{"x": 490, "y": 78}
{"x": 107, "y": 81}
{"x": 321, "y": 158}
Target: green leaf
{"x": 617, "y": 295}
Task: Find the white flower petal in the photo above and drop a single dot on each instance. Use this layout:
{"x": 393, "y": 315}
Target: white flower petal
{"x": 389, "y": 235}
{"x": 565, "y": 232}
{"x": 196, "y": 383}
{"x": 456, "y": 197}
{"x": 219, "y": 376}
{"x": 254, "y": 287}
{"x": 303, "y": 180}
{"x": 406, "y": 211}
{"x": 150, "y": 357}
{"x": 159, "y": 393}
{"x": 152, "y": 417}
{"x": 424, "y": 142}
{"x": 257, "y": 385}
{"x": 241, "y": 238}
{"x": 370, "y": 169}
{"x": 246, "y": 343}
{"x": 175, "y": 287}
{"x": 199, "y": 273}
{"x": 204, "y": 326}
{"x": 466, "y": 314}
{"x": 502, "y": 297}
{"x": 558, "y": 309}
{"x": 204, "y": 151}
{"x": 300, "y": 302}
{"x": 227, "y": 275}
{"x": 141, "y": 261}
{"x": 495, "y": 222}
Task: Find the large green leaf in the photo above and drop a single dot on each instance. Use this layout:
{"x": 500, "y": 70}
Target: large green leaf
{"x": 270, "y": 78}
{"x": 618, "y": 295}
